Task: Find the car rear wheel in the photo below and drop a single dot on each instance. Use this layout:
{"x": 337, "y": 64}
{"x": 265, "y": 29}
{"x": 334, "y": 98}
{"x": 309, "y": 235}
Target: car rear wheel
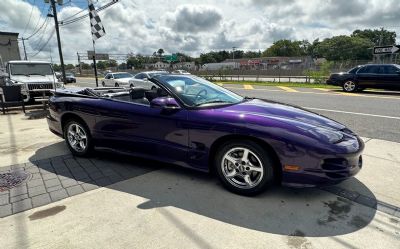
{"x": 116, "y": 85}
{"x": 78, "y": 138}
{"x": 103, "y": 84}
{"x": 350, "y": 86}
{"x": 244, "y": 167}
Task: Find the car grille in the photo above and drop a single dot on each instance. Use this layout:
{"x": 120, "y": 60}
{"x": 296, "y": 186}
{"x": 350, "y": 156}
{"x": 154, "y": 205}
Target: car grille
{"x": 40, "y": 86}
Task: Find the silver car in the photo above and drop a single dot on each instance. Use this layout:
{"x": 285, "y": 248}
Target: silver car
{"x": 141, "y": 79}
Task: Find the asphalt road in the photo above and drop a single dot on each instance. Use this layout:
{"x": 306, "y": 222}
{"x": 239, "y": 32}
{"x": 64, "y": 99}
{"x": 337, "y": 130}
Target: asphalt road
{"x": 373, "y": 114}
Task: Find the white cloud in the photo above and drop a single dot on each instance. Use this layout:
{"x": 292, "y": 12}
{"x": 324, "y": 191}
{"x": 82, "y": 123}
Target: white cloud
{"x": 143, "y": 26}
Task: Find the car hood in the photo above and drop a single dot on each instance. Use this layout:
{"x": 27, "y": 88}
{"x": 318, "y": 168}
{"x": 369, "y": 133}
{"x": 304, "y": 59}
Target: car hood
{"x": 33, "y": 78}
{"x": 258, "y": 110}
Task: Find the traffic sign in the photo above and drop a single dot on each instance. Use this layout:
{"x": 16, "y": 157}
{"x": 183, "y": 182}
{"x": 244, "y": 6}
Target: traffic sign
{"x": 387, "y": 49}
{"x": 171, "y": 58}
{"x": 99, "y": 56}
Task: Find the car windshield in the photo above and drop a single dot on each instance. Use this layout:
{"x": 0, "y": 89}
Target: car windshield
{"x": 31, "y": 69}
{"x": 195, "y": 91}
{"x": 122, "y": 75}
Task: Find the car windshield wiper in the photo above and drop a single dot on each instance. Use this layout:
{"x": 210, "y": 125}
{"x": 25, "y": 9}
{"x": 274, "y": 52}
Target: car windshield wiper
{"x": 38, "y": 74}
{"x": 213, "y": 102}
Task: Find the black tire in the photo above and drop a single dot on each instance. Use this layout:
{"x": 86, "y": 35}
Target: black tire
{"x": 350, "y": 86}
{"x": 131, "y": 85}
{"x": 103, "y": 84}
{"x": 116, "y": 85}
{"x": 89, "y": 143}
{"x": 267, "y": 165}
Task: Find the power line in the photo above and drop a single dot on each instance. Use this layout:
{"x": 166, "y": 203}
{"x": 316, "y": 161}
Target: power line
{"x": 41, "y": 26}
{"x": 66, "y": 22}
{"x": 40, "y": 39}
{"x": 45, "y": 44}
{"x": 30, "y": 16}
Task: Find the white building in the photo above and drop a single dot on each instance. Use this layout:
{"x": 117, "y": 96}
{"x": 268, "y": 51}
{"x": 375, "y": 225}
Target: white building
{"x": 185, "y": 65}
{"x": 222, "y": 65}
{"x": 161, "y": 65}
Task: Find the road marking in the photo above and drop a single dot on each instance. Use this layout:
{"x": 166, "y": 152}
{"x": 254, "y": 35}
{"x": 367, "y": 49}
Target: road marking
{"x": 248, "y": 87}
{"x": 288, "y": 89}
{"x": 323, "y": 89}
{"x": 333, "y": 92}
{"x": 354, "y": 113}
{"x": 348, "y": 94}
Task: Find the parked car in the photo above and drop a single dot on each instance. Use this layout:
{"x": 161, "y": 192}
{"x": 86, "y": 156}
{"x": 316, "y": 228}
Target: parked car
{"x": 383, "y": 76}
{"x": 181, "y": 72}
{"x": 116, "y": 79}
{"x": 70, "y": 78}
{"x": 188, "y": 121}
{"x": 141, "y": 79}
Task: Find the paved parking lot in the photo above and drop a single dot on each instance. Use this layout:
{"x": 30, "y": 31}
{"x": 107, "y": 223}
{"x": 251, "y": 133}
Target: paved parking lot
{"x": 115, "y": 201}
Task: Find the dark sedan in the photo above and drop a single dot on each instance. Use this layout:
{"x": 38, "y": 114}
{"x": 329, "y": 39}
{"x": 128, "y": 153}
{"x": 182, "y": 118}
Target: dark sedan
{"x": 188, "y": 121}
{"x": 70, "y": 78}
{"x": 383, "y": 76}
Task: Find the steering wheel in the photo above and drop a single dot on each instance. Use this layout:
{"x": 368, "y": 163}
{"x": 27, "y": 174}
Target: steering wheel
{"x": 199, "y": 94}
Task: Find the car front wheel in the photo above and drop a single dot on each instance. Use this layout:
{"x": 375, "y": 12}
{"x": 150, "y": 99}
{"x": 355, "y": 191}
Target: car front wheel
{"x": 244, "y": 167}
{"x": 350, "y": 86}
{"x": 103, "y": 84}
{"x": 78, "y": 138}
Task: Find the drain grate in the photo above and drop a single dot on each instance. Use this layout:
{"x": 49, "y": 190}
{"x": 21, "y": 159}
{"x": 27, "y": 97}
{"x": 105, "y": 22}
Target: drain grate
{"x": 13, "y": 179}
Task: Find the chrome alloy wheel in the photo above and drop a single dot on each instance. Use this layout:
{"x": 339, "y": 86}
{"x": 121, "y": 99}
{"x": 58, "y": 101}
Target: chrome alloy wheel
{"x": 242, "y": 168}
{"x": 349, "y": 86}
{"x": 77, "y": 137}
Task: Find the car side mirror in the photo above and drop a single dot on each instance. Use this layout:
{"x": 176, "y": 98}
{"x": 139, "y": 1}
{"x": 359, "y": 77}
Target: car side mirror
{"x": 166, "y": 103}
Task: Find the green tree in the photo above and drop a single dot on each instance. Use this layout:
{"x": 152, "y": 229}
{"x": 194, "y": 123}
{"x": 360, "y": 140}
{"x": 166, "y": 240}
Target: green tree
{"x": 85, "y": 66}
{"x": 160, "y": 52}
{"x": 112, "y": 63}
{"x": 69, "y": 67}
{"x": 136, "y": 62}
{"x": 345, "y": 48}
{"x": 56, "y": 67}
{"x": 377, "y": 36}
{"x": 287, "y": 48}
{"x": 101, "y": 65}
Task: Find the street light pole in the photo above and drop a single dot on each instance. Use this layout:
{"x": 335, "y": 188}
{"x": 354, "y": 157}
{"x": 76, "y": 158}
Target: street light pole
{"x": 53, "y": 5}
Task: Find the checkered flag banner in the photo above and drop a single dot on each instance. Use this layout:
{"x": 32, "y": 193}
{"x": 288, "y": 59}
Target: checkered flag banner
{"x": 95, "y": 22}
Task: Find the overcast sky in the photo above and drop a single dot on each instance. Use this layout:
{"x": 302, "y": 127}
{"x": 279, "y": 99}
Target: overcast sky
{"x": 193, "y": 27}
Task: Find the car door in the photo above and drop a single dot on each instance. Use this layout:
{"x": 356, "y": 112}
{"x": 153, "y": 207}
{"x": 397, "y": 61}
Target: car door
{"x": 368, "y": 76}
{"x": 143, "y": 130}
{"x": 392, "y": 77}
{"x": 138, "y": 80}
{"x": 110, "y": 80}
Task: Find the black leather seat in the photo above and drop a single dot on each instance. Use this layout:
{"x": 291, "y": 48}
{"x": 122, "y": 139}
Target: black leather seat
{"x": 138, "y": 95}
{"x": 152, "y": 94}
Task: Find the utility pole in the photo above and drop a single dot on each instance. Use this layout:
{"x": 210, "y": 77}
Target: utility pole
{"x": 233, "y": 53}
{"x": 79, "y": 62}
{"x": 53, "y": 6}
{"x": 23, "y": 44}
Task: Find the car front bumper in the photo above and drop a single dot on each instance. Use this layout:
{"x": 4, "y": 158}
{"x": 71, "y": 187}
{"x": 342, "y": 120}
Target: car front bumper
{"x": 325, "y": 170}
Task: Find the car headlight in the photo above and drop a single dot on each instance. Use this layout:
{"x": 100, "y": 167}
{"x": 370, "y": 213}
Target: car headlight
{"x": 332, "y": 137}
{"x": 59, "y": 85}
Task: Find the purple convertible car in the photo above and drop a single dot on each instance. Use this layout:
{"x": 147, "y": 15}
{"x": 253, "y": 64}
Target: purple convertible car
{"x": 188, "y": 121}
